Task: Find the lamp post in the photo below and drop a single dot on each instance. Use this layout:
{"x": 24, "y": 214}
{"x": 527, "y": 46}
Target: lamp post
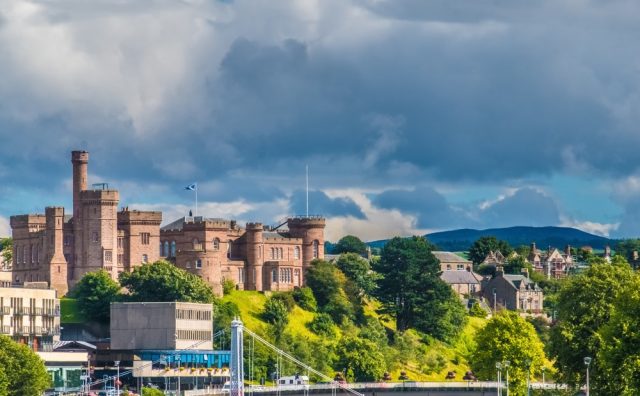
{"x": 506, "y": 367}
{"x": 117, "y": 364}
{"x": 499, "y": 370}
{"x": 494, "y": 301}
{"x": 543, "y": 369}
{"x": 587, "y": 362}
{"x": 528, "y": 364}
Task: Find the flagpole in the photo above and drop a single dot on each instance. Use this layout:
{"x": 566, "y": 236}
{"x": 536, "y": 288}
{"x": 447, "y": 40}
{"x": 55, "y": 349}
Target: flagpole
{"x": 307, "y": 179}
{"x": 196, "y": 199}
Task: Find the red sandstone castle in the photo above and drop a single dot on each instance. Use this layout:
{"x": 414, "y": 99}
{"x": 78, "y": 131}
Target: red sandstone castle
{"x": 59, "y": 249}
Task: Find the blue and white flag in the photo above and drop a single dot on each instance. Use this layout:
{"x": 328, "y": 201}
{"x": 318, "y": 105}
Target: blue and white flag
{"x": 192, "y": 187}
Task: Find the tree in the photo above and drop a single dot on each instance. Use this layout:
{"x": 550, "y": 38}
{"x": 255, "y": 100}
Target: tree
{"x": 626, "y": 247}
{"x": 350, "y": 244}
{"x": 276, "y": 313}
{"x": 223, "y": 313}
{"x": 6, "y": 250}
{"x": 151, "y": 392}
{"x": 305, "y": 299}
{"x": 410, "y": 289}
{"x": 619, "y": 355}
{"x": 163, "y": 281}
{"x": 516, "y": 264}
{"x": 483, "y": 245}
{"x": 584, "y": 305}
{"x": 95, "y": 292}
{"x": 361, "y": 359}
{"x": 477, "y": 311}
{"x": 322, "y": 324}
{"x": 508, "y": 337}
{"x": 22, "y": 372}
{"x": 327, "y": 283}
{"x": 358, "y": 270}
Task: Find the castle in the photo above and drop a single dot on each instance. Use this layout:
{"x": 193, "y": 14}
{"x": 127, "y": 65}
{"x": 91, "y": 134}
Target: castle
{"x": 60, "y": 249}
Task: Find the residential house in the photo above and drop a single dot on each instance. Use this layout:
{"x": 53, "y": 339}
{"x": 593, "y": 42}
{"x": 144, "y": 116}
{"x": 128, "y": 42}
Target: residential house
{"x": 514, "y": 292}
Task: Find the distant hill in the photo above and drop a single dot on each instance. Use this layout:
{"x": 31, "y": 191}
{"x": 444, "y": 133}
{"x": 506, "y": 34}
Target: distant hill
{"x": 461, "y": 240}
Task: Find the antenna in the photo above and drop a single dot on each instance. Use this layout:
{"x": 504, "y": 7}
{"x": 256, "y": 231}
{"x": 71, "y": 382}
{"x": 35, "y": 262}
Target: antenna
{"x": 307, "y": 174}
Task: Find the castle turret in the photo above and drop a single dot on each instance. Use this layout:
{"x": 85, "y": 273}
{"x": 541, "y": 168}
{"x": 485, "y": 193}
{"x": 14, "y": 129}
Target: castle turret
{"x": 80, "y": 160}
{"x": 311, "y": 230}
{"x": 255, "y": 257}
{"x": 54, "y": 256}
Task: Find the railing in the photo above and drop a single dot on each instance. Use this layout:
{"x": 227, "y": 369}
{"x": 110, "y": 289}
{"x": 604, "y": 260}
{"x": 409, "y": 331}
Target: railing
{"x": 6, "y": 329}
{"x": 20, "y": 311}
{"x": 5, "y": 310}
{"x": 35, "y": 311}
{"x": 51, "y": 331}
{"x": 51, "y": 311}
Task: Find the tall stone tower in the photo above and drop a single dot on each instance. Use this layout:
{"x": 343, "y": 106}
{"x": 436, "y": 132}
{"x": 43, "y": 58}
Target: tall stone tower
{"x": 79, "y": 159}
{"x": 54, "y": 256}
{"x": 255, "y": 259}
{"x": 311, "y": 230}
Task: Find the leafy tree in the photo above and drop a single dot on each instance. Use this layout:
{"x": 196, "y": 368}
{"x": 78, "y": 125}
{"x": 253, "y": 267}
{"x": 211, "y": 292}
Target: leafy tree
{"x": 619, "y": 260}
{"x": 322, "y": 324}
{"x": 163, "y": 281}
{"x": 626, "y": 247}
{"x": 585, "y": 303}
{"x": 305, "y": 299}
{"x": 276, "y": 313}
{"x": 228, "y": 287}
{"x": 22, "y": 371}
{"x": 286, "y": 298}
{"x": 6, "y": 250}
{"x": 223, "y": 313}
{"x": 477, "y": 311}
{"x": 584, "y": 255}
{"x": 358, "y": 270}
{"x": 151, "y": 392}
{"x": 508, "y": 337}
{"x": 516, "y": 264}
{"x": 361, "y": 359}
{"x": 350, "y": 244}
{"x": 410, "y": 289}
{"x": 619, "y": 355}
{"x": 327, "y": 283}
{"x": 483, "y": 245}
{"x": 95, "y": 292}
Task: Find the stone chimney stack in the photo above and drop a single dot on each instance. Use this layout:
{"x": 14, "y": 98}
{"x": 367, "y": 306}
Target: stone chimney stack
{"x": 567, "y": 250}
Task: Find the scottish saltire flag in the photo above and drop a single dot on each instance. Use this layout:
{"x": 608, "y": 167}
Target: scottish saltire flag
{"x": 191, "y": 187}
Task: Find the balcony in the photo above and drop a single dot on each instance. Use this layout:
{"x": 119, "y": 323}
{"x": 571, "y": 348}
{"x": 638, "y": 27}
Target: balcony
{"x": 35, "y": 311}
{"x": 6, "y": 329}
{"x": 51, "y": 331}
{"x": 20, "y": 311}
{"x": 51, "y": 311}
{"x": 5, "y": 310}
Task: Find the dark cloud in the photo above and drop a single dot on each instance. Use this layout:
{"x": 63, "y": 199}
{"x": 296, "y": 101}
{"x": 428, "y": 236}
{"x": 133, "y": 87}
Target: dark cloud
{"x": 526, "y": 207}
{"x": 321, "y": 204}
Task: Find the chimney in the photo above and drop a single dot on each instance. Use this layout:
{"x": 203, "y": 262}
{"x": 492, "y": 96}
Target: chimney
{"x": 635, "y": 255}
{"x": 499, "y": 270}
{"x": 567, "y": 250}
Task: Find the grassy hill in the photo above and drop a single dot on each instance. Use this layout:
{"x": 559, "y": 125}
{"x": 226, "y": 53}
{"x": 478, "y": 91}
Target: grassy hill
{"x": 423, "y": 358}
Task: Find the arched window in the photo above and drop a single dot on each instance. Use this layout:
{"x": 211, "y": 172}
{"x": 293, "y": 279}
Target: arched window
{"x": 229, "y": 247}
{"x": 173, "y": 248}
{"x": 296, "y": 252}
{"x": 281, "y": 254}
{"x": 145, "y": 259}
{"x": 216, "y": 244}
{"x": 166, "y": 248}
{"x": 196, "y": 243}
{"x": 315, "y": 248}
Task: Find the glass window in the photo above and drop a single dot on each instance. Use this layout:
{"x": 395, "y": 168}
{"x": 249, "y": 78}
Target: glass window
{"x": 216, "y": 244}
{"x": 173, "y": 248}
{"x": 198, "y": 263}
{"x": 296, "y": 252}
{"x": 145, "y": 258}
{"x": 315, "y": 249}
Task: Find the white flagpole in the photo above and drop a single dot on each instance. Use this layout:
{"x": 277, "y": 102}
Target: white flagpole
{"x": 307, "y": 178}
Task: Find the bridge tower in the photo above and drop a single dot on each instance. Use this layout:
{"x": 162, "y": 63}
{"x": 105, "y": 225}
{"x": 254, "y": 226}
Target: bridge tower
{"x": 237, "y": 364}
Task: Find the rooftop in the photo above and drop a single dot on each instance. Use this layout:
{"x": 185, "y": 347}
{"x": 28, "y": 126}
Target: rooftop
{"x": 453, "y": 277}
{"x": 450, "y": 257}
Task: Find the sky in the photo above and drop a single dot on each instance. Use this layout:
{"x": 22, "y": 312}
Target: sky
{"x": 412, "y": 116}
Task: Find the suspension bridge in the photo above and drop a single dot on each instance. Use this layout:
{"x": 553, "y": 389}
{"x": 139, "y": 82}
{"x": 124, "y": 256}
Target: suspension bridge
{"x": 326, "y": 386}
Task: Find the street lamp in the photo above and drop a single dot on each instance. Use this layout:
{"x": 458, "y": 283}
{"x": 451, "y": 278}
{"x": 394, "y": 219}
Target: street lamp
{"x": 587, "y": 362}
{"x": 494, "y": 301}
{"x": 499, "y": 369}
{"x": 117, "y": 364}
{"x": 543, "y": 369}
{"x": 506, "y": 367}
{"x": 528, "y": 364}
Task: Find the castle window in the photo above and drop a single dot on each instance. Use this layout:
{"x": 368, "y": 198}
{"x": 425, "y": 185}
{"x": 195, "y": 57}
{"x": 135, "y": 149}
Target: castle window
{"x": 34, "y": 254}
{"x": 274, "y": 276}
{"x": 144, "y": 238}
{"x": 25, "y": 255}
{"x": 188, "y": 264}
{"x": 229, "y": 243}
{"x": 94, "y": 237}
{"x": 216, "y": 244}
{"x": 67, "y": 240}
{"x": 296, "y": 252}
{"x": 108, "y": 256}
{"x": 315, "y": 248}
{"x": 173, "y": 248}
{"x": 198, "y": 263}
{"x": 166, "y": 249}
{"x": 281, "y": 255}
{"x": 120, "y": 242}
{"x": 145, "y": 259}
{"x": 273, "y": 253}
{"x": 120, "y": 258}
{"x": 240, "y": 275}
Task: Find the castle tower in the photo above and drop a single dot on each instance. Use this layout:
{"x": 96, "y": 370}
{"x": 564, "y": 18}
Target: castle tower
{"x": 311, "y": 230}
{"x": 255, "y": 259}
{"x": 54, "y": 258}
{"x": 80, "y": 160}
{"x": 98, "y": 234}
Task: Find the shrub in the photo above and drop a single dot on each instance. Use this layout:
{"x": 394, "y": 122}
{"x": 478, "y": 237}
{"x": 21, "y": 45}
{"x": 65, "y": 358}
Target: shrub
{"x": 305, "y": 299}
{"x": 322, "y": 324}
{"x": 286, "y": 299}
{"x": 228, "y": 287}
{"x": 477, "y": 311}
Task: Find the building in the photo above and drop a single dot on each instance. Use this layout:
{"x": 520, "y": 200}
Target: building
{"x": 67, "y": 364}
{"x": 464, "y": 283}
{"x": 256, "y": 257}
{"x": 552, "y": 262}
{"x": 514, "y": 292}
{"x": 59, "y": 249}
{"x": 166, "y": 342}
{"x": 30, "y": 315}
{"x": 451, "y": 261}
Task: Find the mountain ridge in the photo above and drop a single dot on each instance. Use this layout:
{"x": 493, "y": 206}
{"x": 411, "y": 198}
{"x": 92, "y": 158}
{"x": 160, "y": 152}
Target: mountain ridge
{"x": 461, "y": 239}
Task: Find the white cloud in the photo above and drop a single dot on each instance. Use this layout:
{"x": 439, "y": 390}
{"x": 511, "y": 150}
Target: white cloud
{"x": 5, "y": 229}
{"x": 602, "y": 229}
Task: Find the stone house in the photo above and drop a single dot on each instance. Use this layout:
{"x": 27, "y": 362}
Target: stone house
{"x": 514, "y": 292}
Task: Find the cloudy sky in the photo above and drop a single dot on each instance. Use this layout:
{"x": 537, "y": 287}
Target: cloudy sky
{"x": 412, "y": 115}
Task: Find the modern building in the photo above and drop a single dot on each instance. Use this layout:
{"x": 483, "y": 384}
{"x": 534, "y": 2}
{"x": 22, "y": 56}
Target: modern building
{"x": 514, "y": 292}
{"x": 256, "y": 257}
{"x": 30, "y": 315}
{"x": 67, "y": 364}
{"x": 59, "y": 249}
{"x": 167, "y": 343}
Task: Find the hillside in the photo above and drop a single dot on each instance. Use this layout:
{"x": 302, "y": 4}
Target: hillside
{"x": 462, "y": 239}
{"x": 421, "y": 361}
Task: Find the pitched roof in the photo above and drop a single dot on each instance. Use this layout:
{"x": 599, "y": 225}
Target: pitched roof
{"x": 453, "y": 277}
{"x": 178, "y": 224}
{"x": 517, "y": 280}
{"x": 449, "y": 257}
